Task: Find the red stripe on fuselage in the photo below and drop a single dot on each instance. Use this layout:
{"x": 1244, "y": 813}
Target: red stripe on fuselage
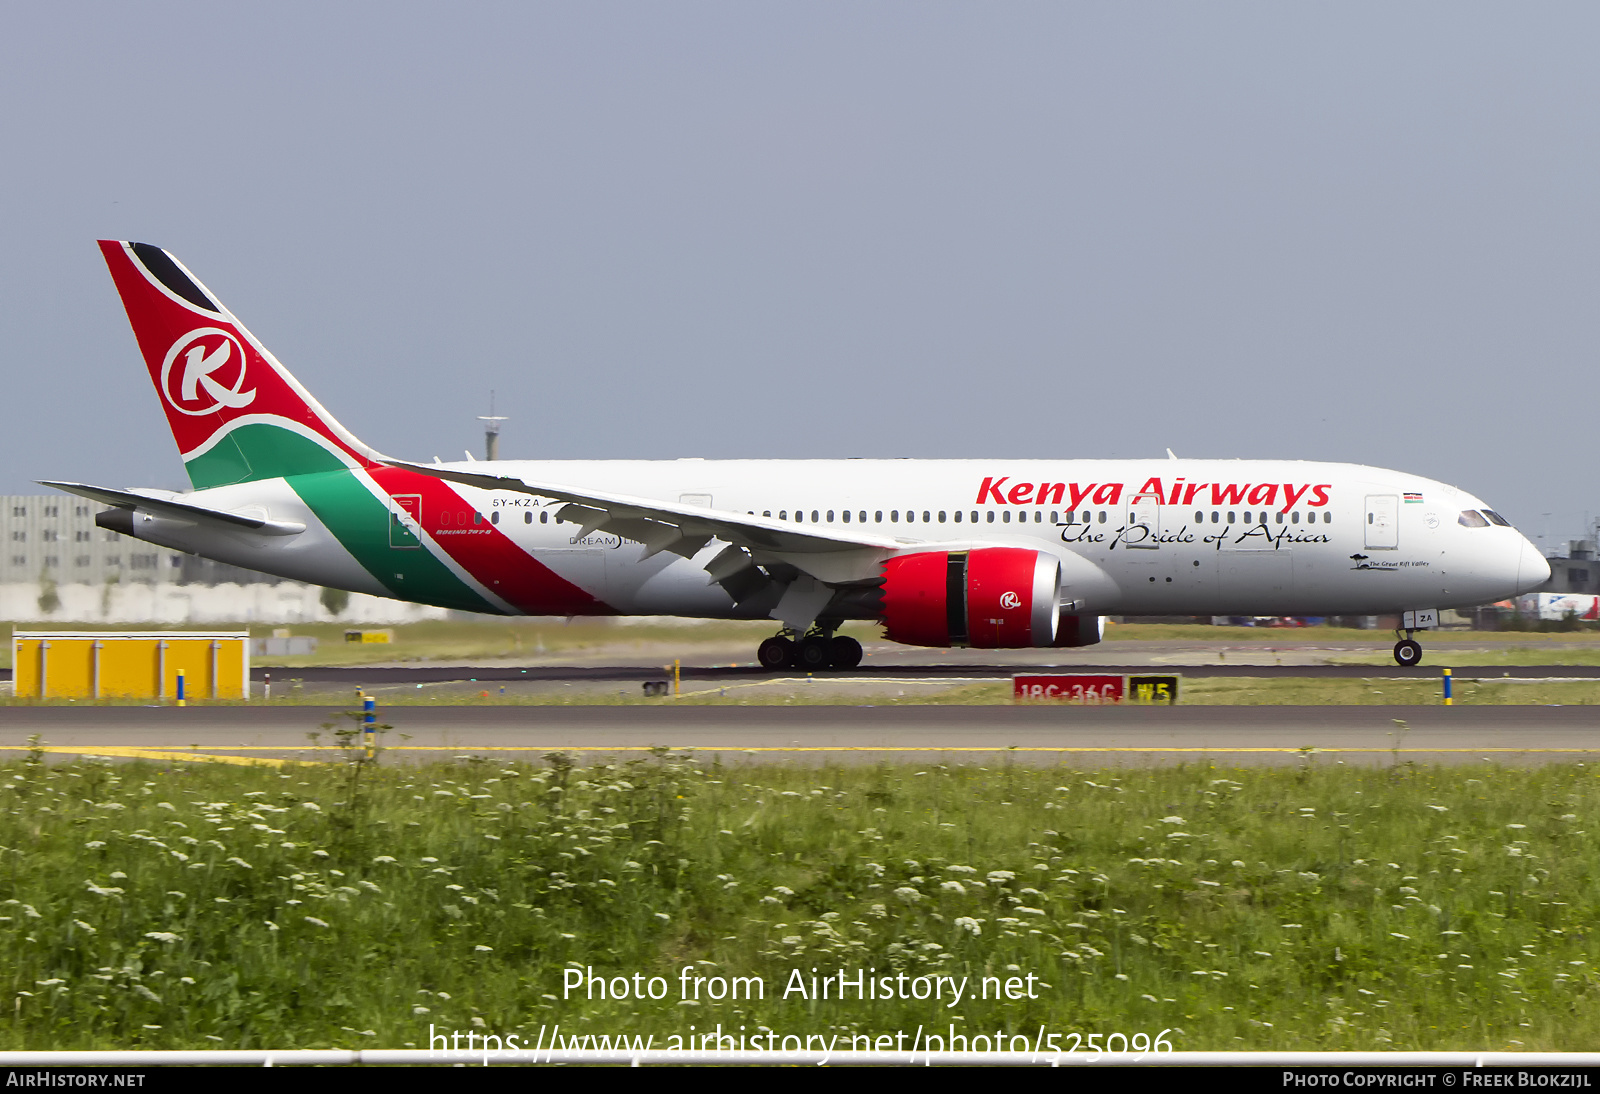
{"x": 485, "y": 552}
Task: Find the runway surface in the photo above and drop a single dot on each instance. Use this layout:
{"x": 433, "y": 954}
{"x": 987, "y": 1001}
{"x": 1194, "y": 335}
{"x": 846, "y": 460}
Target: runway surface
{"x": 352, "y": 676}
{"x": 1079, "y": 736}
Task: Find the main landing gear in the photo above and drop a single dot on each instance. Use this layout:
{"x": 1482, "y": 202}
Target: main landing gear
{"x": 815, "y": 652}
{"x": 1407, "y": 651}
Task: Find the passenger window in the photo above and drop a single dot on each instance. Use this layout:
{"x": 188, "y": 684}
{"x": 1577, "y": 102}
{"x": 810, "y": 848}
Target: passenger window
{"x": 1468, "y": 519}
{"x": 1102, "y": 516}
{"x": 941, "y": 516}
{"x": 527, "y": 516}
{"x": 894, "y": 516}
{"x": 926, "y": 515}
{"x": 1005, "y": 517}
{"x": 766, "y": 512}
{"x": 477, "y": 518}
{"x": 877, "y": 517}
{"x": 1216, "y": 517}
{"x": 911, "y": 516}
{"x": 1327, "y": 518}
{"x": 830, "y": 516}
{"x": 1280, "y": 518}
{"x": 845, "y": 514}
{"x": 494, "y": 517}
{"x": 1086, "y": 516}
{"x": 990, "y": 516}
{"x": 863, "y": 516}
{"x": 814, "y": 517}
{"x": 783, "y": 514}
{"x": 1294, "y": 518}
{"x": 1055, "y": 516}
{"x": 958, "y": 516}
{"x": 1230, "y": 517}
{"x": 544, "y": 516}
{"x": 1199, "y": 517}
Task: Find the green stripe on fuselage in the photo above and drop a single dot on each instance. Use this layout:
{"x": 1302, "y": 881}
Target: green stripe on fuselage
{"x": 360, "y": 522}
{"x": 259, "y": 450}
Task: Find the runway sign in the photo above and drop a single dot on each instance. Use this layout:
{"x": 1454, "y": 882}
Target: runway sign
{"x": 1075, "y": 688}
{"x": 130, "y": 664}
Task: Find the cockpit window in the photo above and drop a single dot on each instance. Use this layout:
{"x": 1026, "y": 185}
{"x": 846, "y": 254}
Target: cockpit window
{"x": 1496, "y": 518}
{"x": 1471, "y": 518}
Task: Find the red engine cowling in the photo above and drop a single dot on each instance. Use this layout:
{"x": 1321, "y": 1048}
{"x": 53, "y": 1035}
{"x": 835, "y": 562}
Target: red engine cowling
{"x": 991, "y": 598}
{"x": 1079, "y": 630}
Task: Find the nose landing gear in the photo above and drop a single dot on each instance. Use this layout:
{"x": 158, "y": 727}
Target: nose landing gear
{"x": 1408, "y": 652}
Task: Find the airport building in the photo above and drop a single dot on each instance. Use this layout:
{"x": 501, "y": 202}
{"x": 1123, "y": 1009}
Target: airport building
{"x": 56, "y": 566}
{"x": 53, "y": 539}
{"x": 1577, "y": 572}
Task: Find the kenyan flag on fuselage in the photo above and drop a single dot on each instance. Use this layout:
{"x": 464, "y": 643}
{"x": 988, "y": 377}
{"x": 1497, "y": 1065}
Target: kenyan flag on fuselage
{"x": 239, "y": 416}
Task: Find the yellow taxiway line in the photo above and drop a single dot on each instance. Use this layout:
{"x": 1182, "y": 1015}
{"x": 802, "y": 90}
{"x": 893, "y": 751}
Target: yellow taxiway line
{"x": 133, "y": 752}
{"x": 168, "y": 752}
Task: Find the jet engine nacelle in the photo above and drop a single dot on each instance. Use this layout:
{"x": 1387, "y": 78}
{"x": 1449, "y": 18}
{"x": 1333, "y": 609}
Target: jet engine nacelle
{"x": 990, "y": 598}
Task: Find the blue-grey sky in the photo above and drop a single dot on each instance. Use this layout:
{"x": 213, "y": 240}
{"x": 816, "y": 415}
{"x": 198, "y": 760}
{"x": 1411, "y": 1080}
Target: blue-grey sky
{"x": 1362, "y": 232}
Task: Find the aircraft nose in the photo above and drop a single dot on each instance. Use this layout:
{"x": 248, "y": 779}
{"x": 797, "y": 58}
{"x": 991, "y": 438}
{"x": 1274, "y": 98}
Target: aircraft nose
{"x": 1532, "y": 568}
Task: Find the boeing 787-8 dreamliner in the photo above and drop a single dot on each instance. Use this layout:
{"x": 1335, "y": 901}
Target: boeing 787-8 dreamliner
{"x": 990, "y": 553}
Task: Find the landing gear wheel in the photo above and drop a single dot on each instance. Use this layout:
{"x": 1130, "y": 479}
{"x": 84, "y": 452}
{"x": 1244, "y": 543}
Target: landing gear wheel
{"x": 1408, "y": 652}
{"x": 844, "y": 653}
{"x": 776, "y": 653}
{"x": 812, "y": 653}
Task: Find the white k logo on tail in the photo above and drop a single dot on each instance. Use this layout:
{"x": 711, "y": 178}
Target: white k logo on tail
{"x": 206, "y": 352}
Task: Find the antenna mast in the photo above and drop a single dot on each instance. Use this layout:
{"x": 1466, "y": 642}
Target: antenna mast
{"x": 491, "y": 431}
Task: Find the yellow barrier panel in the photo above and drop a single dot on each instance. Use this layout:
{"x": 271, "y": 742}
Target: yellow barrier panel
{"x": 130, "y": 664}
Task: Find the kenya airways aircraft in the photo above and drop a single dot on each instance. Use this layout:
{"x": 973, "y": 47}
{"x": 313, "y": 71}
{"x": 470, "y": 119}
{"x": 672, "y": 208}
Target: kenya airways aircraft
{"x": 991, "y": 554}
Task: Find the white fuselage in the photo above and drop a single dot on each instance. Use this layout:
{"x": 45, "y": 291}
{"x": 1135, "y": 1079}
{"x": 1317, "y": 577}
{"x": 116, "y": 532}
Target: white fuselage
{"x": 1144, "y": 537}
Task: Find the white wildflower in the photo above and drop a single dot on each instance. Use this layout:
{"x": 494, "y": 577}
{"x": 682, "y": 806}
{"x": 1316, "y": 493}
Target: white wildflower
{"x": 163, "y": 936}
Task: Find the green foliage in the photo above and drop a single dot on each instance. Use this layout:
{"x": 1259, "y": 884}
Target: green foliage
{"x": 49, "y": 596}
{"x": 1313, "y": 907}
{"x": 335, "y": 601}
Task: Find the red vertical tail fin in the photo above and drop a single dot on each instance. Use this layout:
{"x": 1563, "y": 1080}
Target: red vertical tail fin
{"x": 235, "y": 412}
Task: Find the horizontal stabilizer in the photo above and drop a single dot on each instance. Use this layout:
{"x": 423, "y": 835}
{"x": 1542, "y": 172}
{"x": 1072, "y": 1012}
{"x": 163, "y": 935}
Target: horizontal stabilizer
{"x": 166, "y": 505}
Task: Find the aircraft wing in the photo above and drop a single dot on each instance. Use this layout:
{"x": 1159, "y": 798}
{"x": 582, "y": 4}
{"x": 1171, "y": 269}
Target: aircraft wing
{"x": 164, "y": 504}
{"x": 827, "y": 554}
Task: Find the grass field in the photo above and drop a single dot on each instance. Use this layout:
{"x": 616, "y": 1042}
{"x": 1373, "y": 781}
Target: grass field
{"x": 488, "y": 639}
{"x": 352, "y": 905}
